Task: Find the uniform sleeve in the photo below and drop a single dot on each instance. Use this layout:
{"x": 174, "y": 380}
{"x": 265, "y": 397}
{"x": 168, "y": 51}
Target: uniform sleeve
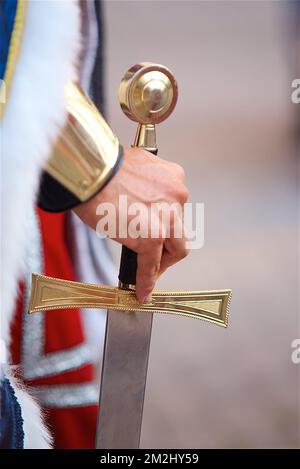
{"x": 54, "y": 197}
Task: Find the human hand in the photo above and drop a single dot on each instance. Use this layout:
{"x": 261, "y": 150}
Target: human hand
{"x": 148, "y": 180}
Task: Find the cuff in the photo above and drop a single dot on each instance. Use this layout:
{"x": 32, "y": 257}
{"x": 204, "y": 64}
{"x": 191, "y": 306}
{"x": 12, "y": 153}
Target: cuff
{"x": 54, "y": 197}
{"x": 83, "y": 160}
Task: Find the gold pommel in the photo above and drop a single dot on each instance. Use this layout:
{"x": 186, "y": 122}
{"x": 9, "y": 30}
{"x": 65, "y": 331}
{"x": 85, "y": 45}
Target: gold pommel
{"x": 87, "y": 151}
{"x": 148, "y": 94}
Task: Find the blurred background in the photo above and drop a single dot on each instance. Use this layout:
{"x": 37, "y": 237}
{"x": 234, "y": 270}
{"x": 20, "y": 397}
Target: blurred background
{"x": 235, "y": 130}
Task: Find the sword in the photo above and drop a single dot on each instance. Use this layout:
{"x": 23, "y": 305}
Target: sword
{"x": 148, "y": 95}
{"x": 127, "y": 342}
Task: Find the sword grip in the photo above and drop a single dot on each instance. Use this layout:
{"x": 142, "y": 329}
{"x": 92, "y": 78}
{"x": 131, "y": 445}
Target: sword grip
{"x": 128, "y": 267}
{"x": 128, "y": 263}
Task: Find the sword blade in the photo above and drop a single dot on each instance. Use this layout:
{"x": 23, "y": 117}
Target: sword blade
{"x": 123, "y": 382}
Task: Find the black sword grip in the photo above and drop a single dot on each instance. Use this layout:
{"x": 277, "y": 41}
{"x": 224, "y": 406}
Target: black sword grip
{"x": 128, "y": 263}
{"x": 128, "y": 266}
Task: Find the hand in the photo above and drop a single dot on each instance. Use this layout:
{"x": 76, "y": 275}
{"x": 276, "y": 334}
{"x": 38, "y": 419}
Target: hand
{"x": 147, "y": 179}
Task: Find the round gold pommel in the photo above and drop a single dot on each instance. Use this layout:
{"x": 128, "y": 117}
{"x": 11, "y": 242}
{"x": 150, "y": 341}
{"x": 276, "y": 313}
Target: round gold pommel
{"x": 148, "y": 93}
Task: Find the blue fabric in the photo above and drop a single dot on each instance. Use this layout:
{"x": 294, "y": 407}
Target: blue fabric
{"x": 11, "y": 421}
{"x": 8, "y": 10}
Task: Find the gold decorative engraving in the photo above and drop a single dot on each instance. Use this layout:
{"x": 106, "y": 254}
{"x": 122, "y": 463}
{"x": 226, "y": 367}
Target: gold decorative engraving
{"x": 86, "y": 152}
{"x": 49, "y": 293}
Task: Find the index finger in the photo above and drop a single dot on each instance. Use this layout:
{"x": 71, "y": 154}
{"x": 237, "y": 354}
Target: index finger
{"x": 148, "y": 266}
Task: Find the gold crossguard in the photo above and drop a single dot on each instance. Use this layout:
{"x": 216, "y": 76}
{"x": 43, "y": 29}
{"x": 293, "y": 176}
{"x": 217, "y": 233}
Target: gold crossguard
{"x": 49, "y": 293}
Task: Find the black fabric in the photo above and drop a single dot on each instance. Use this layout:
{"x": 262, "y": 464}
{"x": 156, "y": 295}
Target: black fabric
{"x": 54, "y": 197}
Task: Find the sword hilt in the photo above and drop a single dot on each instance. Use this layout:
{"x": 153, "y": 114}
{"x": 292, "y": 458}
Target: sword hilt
{"x": 148, "y": 94}
{"x": 128, "y": 268}
{"x": 49, "y": 293}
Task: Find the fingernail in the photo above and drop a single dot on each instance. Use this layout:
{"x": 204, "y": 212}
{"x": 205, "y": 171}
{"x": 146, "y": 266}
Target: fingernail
{"x": 147, "y": 299}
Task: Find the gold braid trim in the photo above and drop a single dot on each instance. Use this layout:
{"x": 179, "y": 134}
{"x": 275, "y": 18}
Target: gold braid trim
{"x": 13, "y": 53}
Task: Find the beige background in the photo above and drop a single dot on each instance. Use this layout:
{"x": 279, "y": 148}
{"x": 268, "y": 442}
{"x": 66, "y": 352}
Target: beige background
{"x": 235, "y": 132}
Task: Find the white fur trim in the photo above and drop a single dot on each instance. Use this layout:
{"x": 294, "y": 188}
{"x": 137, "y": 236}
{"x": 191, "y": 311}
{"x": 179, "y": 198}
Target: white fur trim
{"x": 35, "y": 112}
{"x": 36, "y": 434}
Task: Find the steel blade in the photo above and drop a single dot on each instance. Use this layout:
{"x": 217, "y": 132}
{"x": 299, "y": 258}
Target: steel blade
{"x": 123, "y": 381}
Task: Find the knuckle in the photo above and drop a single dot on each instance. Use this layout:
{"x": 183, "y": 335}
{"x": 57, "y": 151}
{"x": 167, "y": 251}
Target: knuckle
{"x": 185, "y": 253}
{"x": 154, "y": 270}
{"x": 181, "y": 253}
{"x": 182, "y": 194}
{"x": 148, "y": 273}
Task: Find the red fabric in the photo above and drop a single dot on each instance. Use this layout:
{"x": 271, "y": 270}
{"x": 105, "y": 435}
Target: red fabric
{"x": 63, "y": 328}
{"x": 16, "y": 328}
{"x": 72, "y": 427}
